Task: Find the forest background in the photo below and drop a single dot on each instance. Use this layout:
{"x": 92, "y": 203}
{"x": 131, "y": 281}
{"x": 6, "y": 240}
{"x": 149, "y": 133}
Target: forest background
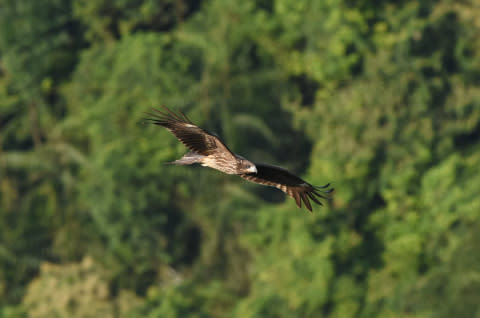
{"x": 381, "y": 98}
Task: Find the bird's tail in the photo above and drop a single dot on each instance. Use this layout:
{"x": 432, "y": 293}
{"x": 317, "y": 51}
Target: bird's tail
{"x": 189, "y": 158}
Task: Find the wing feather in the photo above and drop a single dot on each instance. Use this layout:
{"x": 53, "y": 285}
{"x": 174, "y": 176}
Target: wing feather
{"x": 192, "y": 136}
{"x": 314, "y": 199}
{"x": 296, "y": 195}
{"x": 289, "y": 183}
{"x": 305, "y": 200}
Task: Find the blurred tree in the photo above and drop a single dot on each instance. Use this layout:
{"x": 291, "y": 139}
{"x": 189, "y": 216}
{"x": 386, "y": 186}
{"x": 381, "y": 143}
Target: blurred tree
{"x": 37, "y": 52}
{"x": 76, "y": 290}
{"x": 107, "y": 20}
{"x": 381, "y": 98}
{"x": 134, "y": 203}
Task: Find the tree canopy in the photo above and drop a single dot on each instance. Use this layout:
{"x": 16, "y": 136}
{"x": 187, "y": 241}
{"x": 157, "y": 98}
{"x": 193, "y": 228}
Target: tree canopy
{"x": 380, "y": 98}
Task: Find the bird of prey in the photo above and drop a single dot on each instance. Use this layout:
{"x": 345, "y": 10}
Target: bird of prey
{"x": 208, "y": 150}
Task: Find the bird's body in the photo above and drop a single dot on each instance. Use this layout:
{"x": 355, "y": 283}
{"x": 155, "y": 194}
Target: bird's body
{"x": 209, "y": 151}
{"x": 223, "y": 163}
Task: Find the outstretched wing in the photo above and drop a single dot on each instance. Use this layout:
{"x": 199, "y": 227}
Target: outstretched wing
{"x": 192, "y": 136}
{"x": 289, "y": 183}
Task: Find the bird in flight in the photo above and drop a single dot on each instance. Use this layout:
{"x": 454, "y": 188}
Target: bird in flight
{"x": 208, "y": 150}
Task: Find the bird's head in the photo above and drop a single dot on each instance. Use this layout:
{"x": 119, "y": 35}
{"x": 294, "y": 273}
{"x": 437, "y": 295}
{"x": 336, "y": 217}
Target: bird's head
{"x": 245, "y": 166}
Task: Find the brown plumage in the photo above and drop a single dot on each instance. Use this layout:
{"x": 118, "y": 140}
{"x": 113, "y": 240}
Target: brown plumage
{"x": 209, "y": 151}
{"x": 289, "y": 183}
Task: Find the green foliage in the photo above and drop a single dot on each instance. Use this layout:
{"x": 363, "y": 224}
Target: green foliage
{"x": 381, "y": 99}
{"x": 107, "y": 20}
{"x": 75, "y": 290}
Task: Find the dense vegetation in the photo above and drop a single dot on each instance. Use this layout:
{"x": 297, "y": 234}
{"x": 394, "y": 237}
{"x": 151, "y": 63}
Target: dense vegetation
{"x": 382, "y": 98}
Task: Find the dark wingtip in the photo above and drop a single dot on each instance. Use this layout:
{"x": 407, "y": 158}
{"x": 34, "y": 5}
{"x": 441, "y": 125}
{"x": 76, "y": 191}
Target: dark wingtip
{"x": 162, "y": 118}
{"x": 316, "y": 193}
{"x": 314, "y": 199}
{"x": 166, "y": 116}
{"x": 306, "y": 201}
{"x": 322, "y": 187}
{"x": 323, "y": 190}
{"x": 296, "y": 196}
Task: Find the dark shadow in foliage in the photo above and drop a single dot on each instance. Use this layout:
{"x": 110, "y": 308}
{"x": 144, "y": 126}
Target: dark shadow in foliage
{"x": 192, "y": 237}
{"x": 356, "y": 68}
{"x": 442, "y": 37}
{"x": 357, "y": 215}
{"x": 307, "y": 87}
{"x": 465, "y": 140}
{"x": 171, "y": 14}
{"x": 265, "y": 5}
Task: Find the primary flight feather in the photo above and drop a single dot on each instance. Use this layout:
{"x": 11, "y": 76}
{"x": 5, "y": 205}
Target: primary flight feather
{"x": 209, "y": 151}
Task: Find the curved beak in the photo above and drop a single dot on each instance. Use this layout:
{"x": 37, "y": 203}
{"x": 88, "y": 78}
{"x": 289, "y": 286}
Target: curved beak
{"x": 252, "y": 169}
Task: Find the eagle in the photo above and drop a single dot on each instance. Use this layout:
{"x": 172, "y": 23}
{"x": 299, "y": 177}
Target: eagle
{"x": 208, "y": 150}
